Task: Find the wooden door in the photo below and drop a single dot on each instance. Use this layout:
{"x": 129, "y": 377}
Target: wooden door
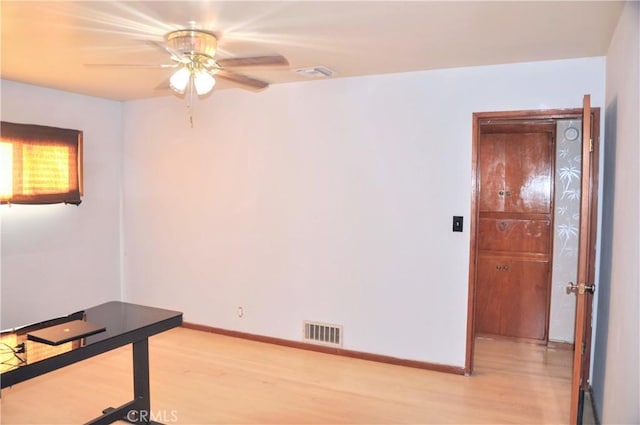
{"x": 585, "y": 286}
{"x": 515, "y": 173}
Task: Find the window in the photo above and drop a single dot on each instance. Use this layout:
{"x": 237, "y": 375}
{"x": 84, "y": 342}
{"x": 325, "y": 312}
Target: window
{"x": 40, "y": 165}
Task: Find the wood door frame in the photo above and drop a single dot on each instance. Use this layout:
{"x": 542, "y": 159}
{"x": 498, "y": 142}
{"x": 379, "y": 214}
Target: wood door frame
{"x": 533, "y": 115}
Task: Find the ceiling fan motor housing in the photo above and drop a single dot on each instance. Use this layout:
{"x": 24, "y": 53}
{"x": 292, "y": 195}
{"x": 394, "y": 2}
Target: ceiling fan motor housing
{"x": 193, "y": 42}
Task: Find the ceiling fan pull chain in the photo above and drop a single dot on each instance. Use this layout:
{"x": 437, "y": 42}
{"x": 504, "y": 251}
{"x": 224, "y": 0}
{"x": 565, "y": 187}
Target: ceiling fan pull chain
{"x": 190, "y": 101}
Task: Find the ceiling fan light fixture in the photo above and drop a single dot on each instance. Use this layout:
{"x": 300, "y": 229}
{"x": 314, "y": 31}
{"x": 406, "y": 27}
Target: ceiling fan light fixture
{"x": 203, "y": 82}
{"x": 180, "y": 80}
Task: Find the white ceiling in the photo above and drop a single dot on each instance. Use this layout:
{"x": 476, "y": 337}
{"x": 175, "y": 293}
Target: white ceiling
{"x": 49, "y": 43}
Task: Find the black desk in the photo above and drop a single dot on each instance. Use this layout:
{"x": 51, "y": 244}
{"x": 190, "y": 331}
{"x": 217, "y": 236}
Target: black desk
{"x": 125, "y": 324}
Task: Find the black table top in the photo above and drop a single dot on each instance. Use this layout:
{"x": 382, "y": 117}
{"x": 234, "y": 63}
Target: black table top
{"x": 125, "y": 323}
{"x": 120, "y": 318}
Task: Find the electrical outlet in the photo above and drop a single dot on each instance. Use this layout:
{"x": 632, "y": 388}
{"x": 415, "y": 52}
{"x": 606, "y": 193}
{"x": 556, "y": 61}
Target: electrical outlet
{"x": 240, "y": 312}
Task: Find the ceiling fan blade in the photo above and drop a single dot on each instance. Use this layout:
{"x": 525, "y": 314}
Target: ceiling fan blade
{"x": 131, "y": 65}
{"x": 242, "y": 80}
{"x": 253, "y": 61}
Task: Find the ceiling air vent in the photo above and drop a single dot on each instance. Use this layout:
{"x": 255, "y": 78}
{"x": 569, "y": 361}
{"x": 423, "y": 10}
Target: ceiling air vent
{"x": 316, "y": 72}
{"x": 322, "y": 334}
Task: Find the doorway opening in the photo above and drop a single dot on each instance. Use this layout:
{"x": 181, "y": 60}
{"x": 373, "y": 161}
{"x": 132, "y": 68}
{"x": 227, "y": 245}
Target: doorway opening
{"x": 524, "y": 239}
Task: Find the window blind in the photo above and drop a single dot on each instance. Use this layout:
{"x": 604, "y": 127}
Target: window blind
{"x": 40, "y": 165}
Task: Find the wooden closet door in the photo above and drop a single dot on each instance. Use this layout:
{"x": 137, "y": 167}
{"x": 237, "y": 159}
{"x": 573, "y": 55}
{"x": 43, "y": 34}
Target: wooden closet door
{"x": 492, "y": 172}
{"x": 529, "y": 159}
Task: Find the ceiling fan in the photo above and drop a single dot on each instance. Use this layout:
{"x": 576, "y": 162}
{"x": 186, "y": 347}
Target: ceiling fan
{"x": 192, "y": 52}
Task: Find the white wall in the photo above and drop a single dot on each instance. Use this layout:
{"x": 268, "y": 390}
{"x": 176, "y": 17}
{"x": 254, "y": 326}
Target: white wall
{"x": 616, "y": 374}
{"x": 329, "y": 201}
{"x": 57, "y": 259}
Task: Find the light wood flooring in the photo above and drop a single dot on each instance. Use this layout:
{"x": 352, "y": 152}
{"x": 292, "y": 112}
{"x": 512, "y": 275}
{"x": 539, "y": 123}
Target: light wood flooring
{"x": 202, "y": 378}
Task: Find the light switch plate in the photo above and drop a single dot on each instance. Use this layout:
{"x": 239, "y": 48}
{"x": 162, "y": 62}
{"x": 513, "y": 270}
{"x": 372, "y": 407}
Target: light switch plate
{"x": 457, "y": 223}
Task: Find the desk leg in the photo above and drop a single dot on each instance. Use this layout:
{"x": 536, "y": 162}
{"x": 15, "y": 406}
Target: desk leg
{"x": 137, "y": 411}
{"x": 141, "y": 391}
